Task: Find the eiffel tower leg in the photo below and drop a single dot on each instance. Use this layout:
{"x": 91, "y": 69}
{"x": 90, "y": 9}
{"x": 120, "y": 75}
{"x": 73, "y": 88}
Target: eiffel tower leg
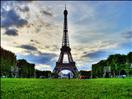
{"x": 70, "y": 57}
{"x": 62, "y": 57}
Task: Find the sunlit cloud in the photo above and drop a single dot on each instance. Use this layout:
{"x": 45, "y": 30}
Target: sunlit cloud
{"x": 43, "y": 67}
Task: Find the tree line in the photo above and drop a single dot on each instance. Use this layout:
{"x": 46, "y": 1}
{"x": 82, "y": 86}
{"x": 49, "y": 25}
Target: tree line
{"x": 11, "y": 67}
{"x": 113, "y": 66}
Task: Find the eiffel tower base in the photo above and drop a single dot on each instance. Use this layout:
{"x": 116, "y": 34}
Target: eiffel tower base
{"x": 66, "y": 66}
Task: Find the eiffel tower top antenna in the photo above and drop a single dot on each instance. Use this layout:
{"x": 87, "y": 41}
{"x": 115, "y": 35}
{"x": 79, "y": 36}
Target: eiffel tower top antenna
{"x": 65, "y": 40}
{"x": 65, "y": 6}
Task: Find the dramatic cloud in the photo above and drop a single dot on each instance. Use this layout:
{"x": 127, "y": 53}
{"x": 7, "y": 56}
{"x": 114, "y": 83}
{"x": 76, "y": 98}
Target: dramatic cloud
{"x": 11, "y": 18}
{"x": 96, "y": 54}
{"x": 35, "y": 41}
{"x": 29, "y": 47}
{"x": 24, "y": 9}
{"x": 42, "y": 58}
{"x": 11, "y": 32}
{"x": 46, "y": 13}
{"x": 127, "y": 35}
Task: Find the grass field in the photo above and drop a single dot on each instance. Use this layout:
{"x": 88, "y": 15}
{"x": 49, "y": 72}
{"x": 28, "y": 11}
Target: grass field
{"x": 116, "y": 88}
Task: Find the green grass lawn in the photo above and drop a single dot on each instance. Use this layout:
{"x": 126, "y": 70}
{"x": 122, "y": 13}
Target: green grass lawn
{"x": 116, "y": 88}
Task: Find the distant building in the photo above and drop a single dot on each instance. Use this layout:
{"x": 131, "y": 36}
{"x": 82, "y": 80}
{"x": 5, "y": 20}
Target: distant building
{"x": 107, "y": 72}
{"x": 15, "y": 71}
{"x": 131, "y": 65}
{"x": 85, "y": 74}
{"x": 42, "y": 74}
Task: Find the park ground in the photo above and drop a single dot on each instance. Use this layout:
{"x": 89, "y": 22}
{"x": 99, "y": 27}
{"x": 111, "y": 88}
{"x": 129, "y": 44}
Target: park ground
{"x": 110, "y": 88}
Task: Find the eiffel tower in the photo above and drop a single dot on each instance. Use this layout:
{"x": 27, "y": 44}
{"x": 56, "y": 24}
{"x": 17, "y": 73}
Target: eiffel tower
{"x": 65, "y": 50}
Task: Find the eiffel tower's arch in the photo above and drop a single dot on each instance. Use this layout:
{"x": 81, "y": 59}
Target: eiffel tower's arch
{"x": 65, "y": 74}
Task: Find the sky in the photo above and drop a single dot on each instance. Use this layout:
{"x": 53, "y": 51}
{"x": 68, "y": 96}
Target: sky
{"x": 33, "y": 30}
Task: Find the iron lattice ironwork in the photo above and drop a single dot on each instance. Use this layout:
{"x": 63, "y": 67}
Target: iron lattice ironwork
{"x": 65, "y": 50}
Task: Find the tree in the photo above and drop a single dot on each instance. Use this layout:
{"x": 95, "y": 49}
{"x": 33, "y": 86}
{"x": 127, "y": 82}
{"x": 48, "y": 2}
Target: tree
{"x": 8, "y": 60}
{"x": 25, "y": 69}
